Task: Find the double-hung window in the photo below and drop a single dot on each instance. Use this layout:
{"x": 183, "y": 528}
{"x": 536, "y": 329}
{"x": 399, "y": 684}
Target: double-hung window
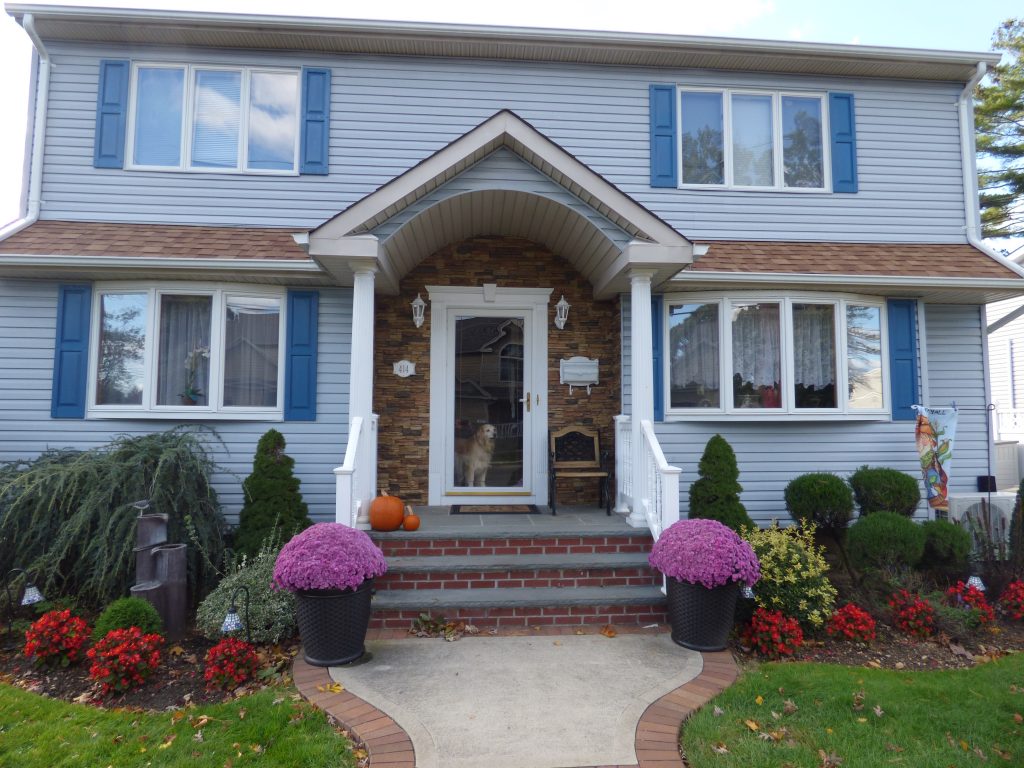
{"x": 213, "y": 118}
{"x": 182, "y": 351}
{"x": 775, "y": 354}
{"x": 753, "y": 140}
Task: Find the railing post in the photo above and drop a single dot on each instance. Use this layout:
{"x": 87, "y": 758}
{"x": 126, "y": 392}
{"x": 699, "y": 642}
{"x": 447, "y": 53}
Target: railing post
{"x": 669, "y": 496}
{"x": 623, "y": 465}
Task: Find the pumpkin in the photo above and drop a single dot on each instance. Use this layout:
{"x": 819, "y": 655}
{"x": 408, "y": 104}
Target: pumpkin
{"x": 386, "y": 513}
{"x": 411, "y": 522}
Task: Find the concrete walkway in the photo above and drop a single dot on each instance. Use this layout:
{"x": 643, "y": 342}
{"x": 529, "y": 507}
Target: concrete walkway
{"x": 520, "y": 702}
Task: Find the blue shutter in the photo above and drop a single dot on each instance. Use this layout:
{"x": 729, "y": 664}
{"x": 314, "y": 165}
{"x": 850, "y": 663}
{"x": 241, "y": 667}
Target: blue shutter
{"x": 663, "y": 136}
{"x": 300, "y": 356}
{"x": 844, "y": 142}
{"x": 111, "y": 114}
{"x": 316, "y": 119}
{"x": 903, "y": 358}
{"x": 71, "y": 352}
{"x": 656, "y": 356}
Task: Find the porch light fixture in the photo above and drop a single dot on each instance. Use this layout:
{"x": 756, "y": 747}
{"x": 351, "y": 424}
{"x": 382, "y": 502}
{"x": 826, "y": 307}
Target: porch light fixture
{"x": 418, "y": 307}
{"x": 232, "y": 621}
{"x": 977, "y": 583}
{"x": 31, "y": 596}
{"x": 561, "y": 313}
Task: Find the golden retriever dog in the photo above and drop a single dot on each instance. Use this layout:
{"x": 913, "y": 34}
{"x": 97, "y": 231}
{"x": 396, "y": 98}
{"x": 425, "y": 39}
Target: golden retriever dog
{"x": 473, "y": 456}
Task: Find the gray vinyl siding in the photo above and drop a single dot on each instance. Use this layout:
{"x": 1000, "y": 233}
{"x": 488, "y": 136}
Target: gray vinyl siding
{"x": 1006, "y": 367}
{"x": 389, "y": 113}
{"x": 28, "y": 311}
{"x": 770, "y": 454}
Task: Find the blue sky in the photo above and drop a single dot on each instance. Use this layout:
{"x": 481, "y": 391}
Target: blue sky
{"x": 943, "y": 24}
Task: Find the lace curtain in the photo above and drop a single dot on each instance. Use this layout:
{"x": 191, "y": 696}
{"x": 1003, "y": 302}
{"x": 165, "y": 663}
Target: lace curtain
{"x": 694, "y": 365}
{"x": 814, "y": 345}
{"x": 756, "y": 349}
{"x": 184, "y": 350}
{"x": 251, "y": 352}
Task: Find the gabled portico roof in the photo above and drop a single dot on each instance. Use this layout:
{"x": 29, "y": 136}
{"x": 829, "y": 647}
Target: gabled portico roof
{"x": 593, "y": 223}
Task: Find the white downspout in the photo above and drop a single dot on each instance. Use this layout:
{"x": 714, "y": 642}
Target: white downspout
{"x": 42, "y": 97}
{"x": 969, "y": 164}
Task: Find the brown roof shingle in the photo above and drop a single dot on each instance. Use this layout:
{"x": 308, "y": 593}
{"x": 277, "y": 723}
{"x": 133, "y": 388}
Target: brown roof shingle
{"x": 72, "y": 238}
{"x": 890, "y": 259}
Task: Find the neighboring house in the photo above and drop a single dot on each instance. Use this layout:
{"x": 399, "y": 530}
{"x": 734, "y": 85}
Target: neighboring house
{"x": 229, "y": 217}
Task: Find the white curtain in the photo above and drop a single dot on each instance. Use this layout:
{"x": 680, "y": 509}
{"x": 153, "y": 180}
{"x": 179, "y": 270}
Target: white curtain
{"x": 814, "y": 345}
{"x": 694, "y": 356}
{"x": 184, "y": 349}
{"x": 251, "y": 352}
{"x": 756, "y": 353}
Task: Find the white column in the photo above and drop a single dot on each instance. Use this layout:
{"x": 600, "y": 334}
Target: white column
{"x": 360, "y": 398}
{"x": 642, "y": 377}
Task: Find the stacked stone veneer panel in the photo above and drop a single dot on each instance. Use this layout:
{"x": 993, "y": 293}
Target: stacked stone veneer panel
{"x": 404, "y": 404}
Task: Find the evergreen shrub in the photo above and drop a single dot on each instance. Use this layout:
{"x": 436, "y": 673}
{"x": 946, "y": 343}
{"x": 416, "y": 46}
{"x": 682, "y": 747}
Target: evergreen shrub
{"x": 128, "y": 612}
{"x": 885, "y": 541}
{"x": 271, "y": 611}
{"x": 793, "y": 574}
{"x": 821, "y": 498}
{"x": 67, "y": 516}
{"x": 947, "y": 547}
{"x": 715, "y": 495}
{"x": 880, "y": 489}
{"x": 273, "y": 504}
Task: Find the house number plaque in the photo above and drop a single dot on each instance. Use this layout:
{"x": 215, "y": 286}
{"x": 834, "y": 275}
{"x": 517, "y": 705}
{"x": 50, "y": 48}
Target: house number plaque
{"x": 404, "y": 368}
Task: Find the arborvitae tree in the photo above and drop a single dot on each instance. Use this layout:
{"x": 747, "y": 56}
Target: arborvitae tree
{"x": 272, "y": 498}
{"x": 716, "y": 493}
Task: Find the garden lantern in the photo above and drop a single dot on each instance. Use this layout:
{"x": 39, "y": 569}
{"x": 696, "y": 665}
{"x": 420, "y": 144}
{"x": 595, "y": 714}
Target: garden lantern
{"x": 977, "y": 583}
{"x": 232, "y": 621}
{"x": 31, "y": 596}
{"x": 747, "y": 593}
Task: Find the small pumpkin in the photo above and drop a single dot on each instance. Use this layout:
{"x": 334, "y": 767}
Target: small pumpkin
{"x": 411, "y": 521}
{"x": 386, "y": 513}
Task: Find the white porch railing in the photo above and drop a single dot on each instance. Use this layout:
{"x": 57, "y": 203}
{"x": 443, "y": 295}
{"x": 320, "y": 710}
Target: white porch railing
{"x": 651, "y": 487}
{"x": 356, "y": 478}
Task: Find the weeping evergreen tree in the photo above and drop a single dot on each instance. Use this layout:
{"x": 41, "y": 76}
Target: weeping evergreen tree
{"x": 67, "y": 517}
{"x": 716, "y": 493}
{"x": 273, "y": 503}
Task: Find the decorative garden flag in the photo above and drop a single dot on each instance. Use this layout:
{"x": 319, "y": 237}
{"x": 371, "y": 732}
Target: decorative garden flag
{"x": 935, "y": 430}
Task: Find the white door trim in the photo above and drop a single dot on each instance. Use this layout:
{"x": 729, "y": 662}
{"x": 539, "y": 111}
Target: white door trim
{"x": 531, "y": 301}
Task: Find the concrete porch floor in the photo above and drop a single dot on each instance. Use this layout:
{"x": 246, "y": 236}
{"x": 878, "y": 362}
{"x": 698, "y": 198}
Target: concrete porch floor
{"x": 438, "y": 521}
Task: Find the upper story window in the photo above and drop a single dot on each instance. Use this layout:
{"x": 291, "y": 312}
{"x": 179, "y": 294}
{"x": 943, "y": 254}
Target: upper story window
{"x": 217, "y": 119}
{"x": 753, "y": 140}
{"x": 775, "y": 354}
{"x": 181, "y": 351}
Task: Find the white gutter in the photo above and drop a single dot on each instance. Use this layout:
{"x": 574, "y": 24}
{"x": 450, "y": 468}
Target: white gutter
{"x": 691, "y": 276}
{"x": 42, "y": 97}
{"x": 969, "y": 164}
{"x": 156, "y": 262}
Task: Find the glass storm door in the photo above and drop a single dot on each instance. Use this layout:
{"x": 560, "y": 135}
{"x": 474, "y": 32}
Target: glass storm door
{"x": 491, "y": 405}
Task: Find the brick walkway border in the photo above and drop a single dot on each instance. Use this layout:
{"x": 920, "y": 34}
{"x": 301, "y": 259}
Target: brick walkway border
{"x": 389, "y": 746}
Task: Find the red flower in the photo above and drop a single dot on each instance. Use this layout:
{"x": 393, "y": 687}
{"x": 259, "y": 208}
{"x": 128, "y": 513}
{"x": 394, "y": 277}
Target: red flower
{"x": 973, "y": 600}
{"x": 230, "y": 663}
{"x": 124, "y": 659}
{"x": 1012, "y": 600}
{"x": 852, "y": 623}
{"x": 912, "y": 614}
{"x": 56, "y": 638}
{"x": 773, "y": 634}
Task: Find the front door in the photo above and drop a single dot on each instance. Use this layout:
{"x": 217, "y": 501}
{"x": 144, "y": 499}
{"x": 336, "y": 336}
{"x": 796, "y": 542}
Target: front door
{"x": 488, "y": 396}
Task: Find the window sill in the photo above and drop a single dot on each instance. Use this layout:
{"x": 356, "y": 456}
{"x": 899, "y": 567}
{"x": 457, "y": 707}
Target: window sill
{"x": 207, "y": 171}
{"x": 762, "y": 416}
{"x": 185, "y": 414}
{"x": 773, "y": 190}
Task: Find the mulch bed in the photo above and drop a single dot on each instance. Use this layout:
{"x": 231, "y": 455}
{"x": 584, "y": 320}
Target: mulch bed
{"x": 178, "y": 681}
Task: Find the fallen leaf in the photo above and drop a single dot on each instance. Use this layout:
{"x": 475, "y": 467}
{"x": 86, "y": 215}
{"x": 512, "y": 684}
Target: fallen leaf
{"x": 894, "y": 748}
{"x": 720, "y": 748}
{"x": 965, "y": 746}
{"x": 829, "y": 759}
{"x": 331, "y": 688}
{"x": 776, "y": 715}
{"x": 862, "y": 719}
{"x": 168, "y": 740}
{"x": 1018, "y": 718}
{"x": 752, "y": 725}
{"x": 198, "y": 736}
{"x": 717, "y": 711}
{"x": 257, "y": 748}
{"x": 858, "y": 701}
{"x": 878, "y": 711}
{"x": 201, "y": 721}
{"x": 949, "y": 740}
{"x": 759, "y": 700}
{"x": 980, "y": 753}
{"x": 874, "y": 664}
{"x": 608, "y": 630}
{"x": 242, "y": 713}
{"x": 176, "y": 650}
{"x": 789, "y": 707}
{"x": 277, "y": 701}
{"x": 177, "y": 716}
{"x": 557, "y": 642}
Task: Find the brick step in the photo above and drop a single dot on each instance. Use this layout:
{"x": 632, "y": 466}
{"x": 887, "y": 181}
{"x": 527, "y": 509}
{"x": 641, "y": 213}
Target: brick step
{"x": 508, "y": 544}
{"x": 511, "y": 571}
{"x": 522, "y": 607}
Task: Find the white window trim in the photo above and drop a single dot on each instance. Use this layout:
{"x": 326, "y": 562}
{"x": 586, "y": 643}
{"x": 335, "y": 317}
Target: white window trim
{"x": 777, "y": 139}
{"x": 214, "y": 410}
{"x": 787, "y": 412}
{"x": 188, "y": 111}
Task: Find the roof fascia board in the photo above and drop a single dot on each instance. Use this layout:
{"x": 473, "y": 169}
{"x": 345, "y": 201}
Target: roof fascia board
{"x": 896, "y": 281}
{"x": 421, "y": 30}
{"x": 150, "y": 262}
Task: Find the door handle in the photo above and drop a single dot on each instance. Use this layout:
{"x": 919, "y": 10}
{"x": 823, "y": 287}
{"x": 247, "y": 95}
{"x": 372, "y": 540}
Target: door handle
{"x": 527, "y": 401}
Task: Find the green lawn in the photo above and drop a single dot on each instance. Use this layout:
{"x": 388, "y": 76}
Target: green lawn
{"x": 251, "y": 731}
{"x": 926, "y": 719}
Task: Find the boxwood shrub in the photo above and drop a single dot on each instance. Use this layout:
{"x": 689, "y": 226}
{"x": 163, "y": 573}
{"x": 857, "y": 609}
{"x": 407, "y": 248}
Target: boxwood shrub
{"x": 128, "y": 612}
{"x": 820, "y": 498}
{"x": 880, "y": 489}
{"x": 885, "y": 541}
{"x": 946, "y": 548}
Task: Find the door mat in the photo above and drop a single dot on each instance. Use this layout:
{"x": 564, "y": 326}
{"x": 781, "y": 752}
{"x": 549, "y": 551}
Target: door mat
{"x": 494, "y": 509}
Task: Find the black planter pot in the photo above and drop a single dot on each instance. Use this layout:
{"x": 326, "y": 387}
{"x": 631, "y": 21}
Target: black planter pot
{"x": 701, "y": 618}
{"x": 333, "y": 624}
